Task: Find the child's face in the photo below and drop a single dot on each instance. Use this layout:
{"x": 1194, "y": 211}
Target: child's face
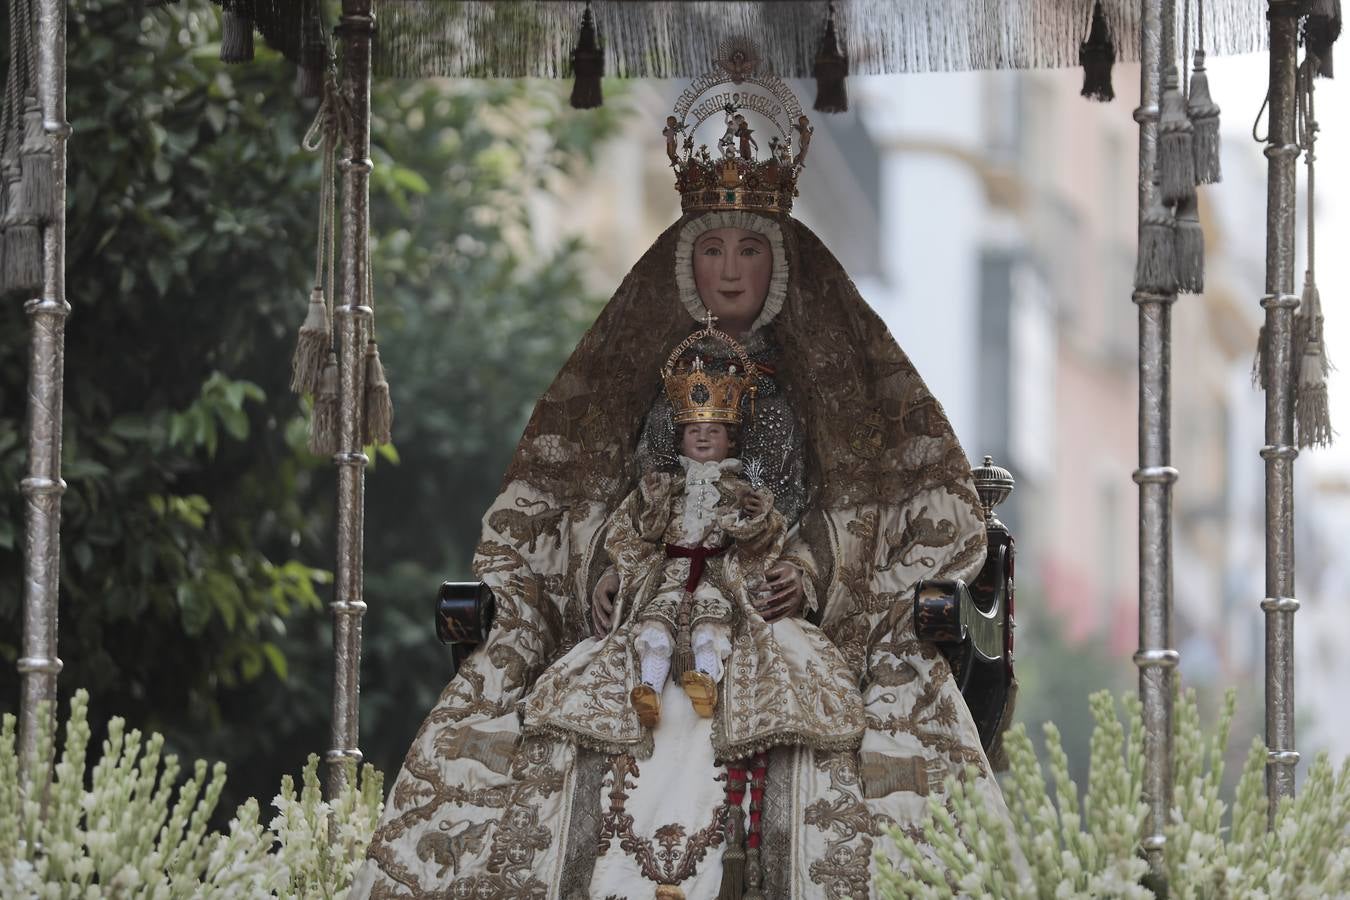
{"x": 705, "y": 442}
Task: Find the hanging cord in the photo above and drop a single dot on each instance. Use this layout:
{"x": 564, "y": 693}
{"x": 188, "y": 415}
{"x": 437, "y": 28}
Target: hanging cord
{"x": 1186, "y": 49}
{"x": 1311, "y": 409}
{"x": 314, "y": 367}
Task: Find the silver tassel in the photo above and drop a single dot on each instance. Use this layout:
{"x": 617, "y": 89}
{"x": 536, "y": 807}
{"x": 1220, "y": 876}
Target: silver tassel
{"x": 1204, "y": 114}
{"x": 323, "y": 425}
{"x": 1176, "y": 160}
{"x": 35, "y": 160}
{"x": 1156, "y": 269}
{"x": 1189, "y": 250}
{"x": 312, "y": 346}
{"x": 1311, "y": 412}
{"x": 379, "y": 424}
{"x": 22, "y": 253}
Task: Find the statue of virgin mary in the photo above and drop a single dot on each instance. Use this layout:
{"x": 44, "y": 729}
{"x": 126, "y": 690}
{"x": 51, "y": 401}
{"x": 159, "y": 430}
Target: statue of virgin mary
{"x": 865, "y": 468}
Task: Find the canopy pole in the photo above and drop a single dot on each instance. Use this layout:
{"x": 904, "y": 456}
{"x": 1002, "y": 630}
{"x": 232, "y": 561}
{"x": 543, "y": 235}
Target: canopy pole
{"x": 355, "y": 30}
{"x": 1155, "y": 659}
{"x": 42, "y": 487}
{"x": 1280, "y": 303}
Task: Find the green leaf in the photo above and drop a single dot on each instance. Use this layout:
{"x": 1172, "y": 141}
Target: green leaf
{"x": 276, "y": 659}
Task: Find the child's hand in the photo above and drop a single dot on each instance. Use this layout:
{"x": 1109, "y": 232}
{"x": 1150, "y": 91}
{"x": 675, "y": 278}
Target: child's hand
{"x": 757, "y": 503}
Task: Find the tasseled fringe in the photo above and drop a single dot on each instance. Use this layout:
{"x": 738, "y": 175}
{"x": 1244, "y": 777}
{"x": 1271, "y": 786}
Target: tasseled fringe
{"x": 1320, "y": 31}
{"x": 1189, "y": 251}
{"x": 1176, "y": 158}
{"x": 530, "y": 39}
{"x": 312, "y": 346}
{"x": 22, "y": 254}
{"x": 1156, "y": 267}
{"x": 379, "y": 423}
{"x": 1204, "y": 114}
{"x": 1311, "y": 412}
{"x": 35, "y": 160}
{"x": 588, "y": 66}
{"x": 236, "y": 37}
{"x": 1097, "y": 55}
{"x": 831, "y": 72}
{"x": 323, "y": 424}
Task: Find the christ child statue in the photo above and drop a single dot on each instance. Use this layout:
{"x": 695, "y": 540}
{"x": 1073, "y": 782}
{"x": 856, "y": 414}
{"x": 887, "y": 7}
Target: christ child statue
{"x": 697, "y": 514}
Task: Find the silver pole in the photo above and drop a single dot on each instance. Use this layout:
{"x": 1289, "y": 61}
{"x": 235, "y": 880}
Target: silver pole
{"x": 1155, "y": 475}
{"x": 1280, "y": 302}
{"x": 353, "y": 325}
{"x": 42, "y": 487}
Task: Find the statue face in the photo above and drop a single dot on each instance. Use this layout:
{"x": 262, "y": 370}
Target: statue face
{"x": 732, "y": 267}
{"x": 705, "y": 442}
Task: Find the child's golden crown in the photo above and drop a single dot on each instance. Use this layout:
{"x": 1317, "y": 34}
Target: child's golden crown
{"x": 733, "y": 176}
{"x": 698, "y": 394}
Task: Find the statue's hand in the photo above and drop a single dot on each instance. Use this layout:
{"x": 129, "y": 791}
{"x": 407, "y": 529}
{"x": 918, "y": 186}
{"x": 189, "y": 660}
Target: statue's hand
{"x": 602, "y": 602}
{"x": 783, "y": 595}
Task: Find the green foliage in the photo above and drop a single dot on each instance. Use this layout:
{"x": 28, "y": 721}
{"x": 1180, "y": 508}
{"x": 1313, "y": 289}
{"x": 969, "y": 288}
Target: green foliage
{"x": 186, "y": 500}
{"x": 135, "y": 831}
{"x": 1066, "y": 848}
{"x": 196, "y": 530}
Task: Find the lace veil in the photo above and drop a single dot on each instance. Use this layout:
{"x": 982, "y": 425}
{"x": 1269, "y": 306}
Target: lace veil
{"x": 874, "y": 433}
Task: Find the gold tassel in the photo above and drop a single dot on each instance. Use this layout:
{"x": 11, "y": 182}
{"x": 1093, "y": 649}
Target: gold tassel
{"x": 379, "y": 424}
{"x": 312, "y": 346}
{"x": 323, "y": 424}
{"x": 733, "y": 858}
{"x": 754, "y": 874}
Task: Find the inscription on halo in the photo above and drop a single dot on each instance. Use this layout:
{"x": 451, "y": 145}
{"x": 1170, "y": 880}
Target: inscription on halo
{"x": 781, "y": 106}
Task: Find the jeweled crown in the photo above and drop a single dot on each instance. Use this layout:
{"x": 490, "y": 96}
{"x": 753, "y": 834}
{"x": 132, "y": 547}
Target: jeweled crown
{"x": 733, "y": 176}
{"x": 698, "y": 394}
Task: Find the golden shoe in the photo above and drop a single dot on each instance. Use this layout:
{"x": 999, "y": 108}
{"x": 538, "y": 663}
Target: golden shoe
{"x": 702, "y": 691}
{"x": 647, "y": 703}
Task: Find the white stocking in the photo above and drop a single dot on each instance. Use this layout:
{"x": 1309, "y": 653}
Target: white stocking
{"x": 653, "y": 645}
{"x": 711, "y": 643}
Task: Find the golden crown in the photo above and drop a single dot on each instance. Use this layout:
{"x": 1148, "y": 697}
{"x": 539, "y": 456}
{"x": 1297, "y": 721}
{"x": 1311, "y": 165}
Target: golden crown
{"x": 734, "y": 177}
{"x": 700, "y": 395}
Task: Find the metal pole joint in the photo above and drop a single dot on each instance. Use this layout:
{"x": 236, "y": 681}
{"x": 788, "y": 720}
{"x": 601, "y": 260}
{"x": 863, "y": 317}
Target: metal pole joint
{"x": 1155, "y": 475}
{"x": 1157, "y": 659}
{"x": 47, "y": 665}
{"x": 1288, "y": 758}
{"x": 1279, "y": 452}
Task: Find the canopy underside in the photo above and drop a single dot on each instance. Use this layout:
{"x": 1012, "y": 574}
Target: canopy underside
{"x": 650, "y": 39}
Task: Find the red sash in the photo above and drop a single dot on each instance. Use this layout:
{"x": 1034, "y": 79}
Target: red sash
{"x": 697, "y": 556}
